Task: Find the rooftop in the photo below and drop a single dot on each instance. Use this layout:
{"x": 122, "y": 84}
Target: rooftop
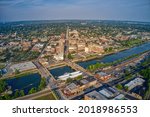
{"x": 119, "y": 97}
{"x": 102, "y": 73}
{"x": 85, "y": 81}
{"x": 95, "y": 96}
{"x": 71, "y": 86}
{"x": 135, "y": 82}
{"x": 106, "y": 93}
{"x": 23, "y": 66}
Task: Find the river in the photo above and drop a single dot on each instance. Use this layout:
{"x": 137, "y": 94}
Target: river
{"x": 117, "y": 56}
{"x": 25, "y": 82}
{"x": 60, "y": 71}
{"x": 109, "y": 58}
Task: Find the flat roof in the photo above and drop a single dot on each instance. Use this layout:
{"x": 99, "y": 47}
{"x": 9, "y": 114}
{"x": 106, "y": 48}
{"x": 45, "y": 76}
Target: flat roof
{"x": 71, "y": 86}
{"x": 119, "y": 97}
{"x": 106, "y": 93}
{"x": 23, "y": 66}
{"x": 102, "y": 73}
{"x": 96, "y": 96}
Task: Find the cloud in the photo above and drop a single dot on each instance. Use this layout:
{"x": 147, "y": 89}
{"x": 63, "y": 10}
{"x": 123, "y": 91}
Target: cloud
{"x": 45, "y": 2}
{"x": 20, "y": 3}
{"x": 74, "y": 9}
{"x": 10, "y": 2}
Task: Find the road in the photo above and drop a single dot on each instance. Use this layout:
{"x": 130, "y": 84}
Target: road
{"x": 35, "y": 95}
{"x": 77, "y": 67}
{"x": 51, "y": 82}
{"x": 126, "y": 63}
{"x": 43, "y": 50}
{"x": 112, "y": 84}
{"x": 104, "y": 85}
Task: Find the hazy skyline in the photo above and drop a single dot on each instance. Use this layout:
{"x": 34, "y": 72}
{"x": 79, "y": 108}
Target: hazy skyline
{"x": 131, "y": 10}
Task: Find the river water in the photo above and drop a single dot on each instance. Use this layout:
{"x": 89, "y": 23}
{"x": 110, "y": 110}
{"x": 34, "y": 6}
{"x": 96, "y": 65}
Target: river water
{"x": 117, "y": 56}
{"x": 60, "y": 71}
{"x": 24, "y": 83}
{"x": 109, "y": 58}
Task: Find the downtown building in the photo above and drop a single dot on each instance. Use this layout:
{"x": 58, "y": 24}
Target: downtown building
{"x": 60, "y": 50}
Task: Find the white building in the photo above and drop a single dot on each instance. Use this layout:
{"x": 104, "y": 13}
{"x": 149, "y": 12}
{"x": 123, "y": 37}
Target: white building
{"x": 70, "y": 75}
{"x": 86, "y": 49}
{"x": 39, "y": 45}
{"x": 59, "y": 56}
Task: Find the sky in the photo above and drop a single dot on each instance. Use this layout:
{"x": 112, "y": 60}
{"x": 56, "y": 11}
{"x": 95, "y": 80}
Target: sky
{"x": 128, "y": 10}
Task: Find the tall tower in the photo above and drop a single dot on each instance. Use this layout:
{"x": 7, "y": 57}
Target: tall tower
{"x": 66, "y": 49}
{"x": 61, "y": 45}
{"x": 60, "y": 52}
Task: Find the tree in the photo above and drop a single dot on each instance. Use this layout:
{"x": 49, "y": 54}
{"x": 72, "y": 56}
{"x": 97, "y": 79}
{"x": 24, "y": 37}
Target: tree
{"x": 119, "y": 86}
{"x": 17, "y": 71}
{"x": 32, "y": 90}
{"x": 97, "y": 65}
{"x": 16, "y": 94}
{"x": 42, "y": 84}
{"x": 22, "y": 93}
{"x": 7, "y": 97}
{"x": 109, "y": 49}
{"x": 146, "y": 74}
{"x": 127, "y": 72}
{"x": 126, "y": 88}
{"x": 69, "y": 80}
{"x": 70, "y": 56}
{"x": 147, "y": 95}
{"x": 91, "y": 67}
{"x": 128, "y": 77}
{"x": 2, "y": 86}
{"x": 79, "y": 77}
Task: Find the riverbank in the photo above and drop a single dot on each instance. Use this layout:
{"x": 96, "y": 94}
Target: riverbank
{"x": 106, "y": 59}
{"x": 22, "y": 85}
{"x": 54, "y": 66}
{"x": 24, "y": 73}
{"x": 98, "y": 66}
{"x": 93, "y": 57}
{"x": 109, "y": 53}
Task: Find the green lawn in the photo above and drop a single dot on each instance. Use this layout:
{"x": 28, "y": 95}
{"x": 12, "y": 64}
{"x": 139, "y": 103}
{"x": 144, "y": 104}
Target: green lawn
{"x": 47, "y": 97}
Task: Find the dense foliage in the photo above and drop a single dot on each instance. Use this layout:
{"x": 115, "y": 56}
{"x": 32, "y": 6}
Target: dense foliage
{"x": 2, "y": 86}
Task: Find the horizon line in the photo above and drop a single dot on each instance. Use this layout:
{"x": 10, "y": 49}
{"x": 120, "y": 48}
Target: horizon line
{"x": 28, "y": 20}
